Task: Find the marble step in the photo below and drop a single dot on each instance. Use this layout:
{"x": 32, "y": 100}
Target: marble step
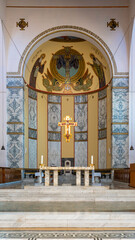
{"x": 69, "y": 220}
{"x": 66, "y": 194}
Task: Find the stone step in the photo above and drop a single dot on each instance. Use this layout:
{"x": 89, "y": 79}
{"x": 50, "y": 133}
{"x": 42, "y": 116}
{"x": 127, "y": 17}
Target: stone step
{"x": 68, "y": 220}
{"x": 67, "y": 194}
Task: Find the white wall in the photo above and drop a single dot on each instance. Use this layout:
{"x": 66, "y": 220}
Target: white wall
{"x": 2, "y": 86}
{"x": 93, "y": 19}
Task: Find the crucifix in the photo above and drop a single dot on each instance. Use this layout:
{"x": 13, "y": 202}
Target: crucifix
{"x": 67, "y": 60}
{"x": 67, "y": 124}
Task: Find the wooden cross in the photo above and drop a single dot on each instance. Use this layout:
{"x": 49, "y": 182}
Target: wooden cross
{"x": 67, "y": 126}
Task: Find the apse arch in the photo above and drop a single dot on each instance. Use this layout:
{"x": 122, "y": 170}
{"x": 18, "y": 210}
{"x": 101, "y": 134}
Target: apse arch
{"x": 67, "y": 30}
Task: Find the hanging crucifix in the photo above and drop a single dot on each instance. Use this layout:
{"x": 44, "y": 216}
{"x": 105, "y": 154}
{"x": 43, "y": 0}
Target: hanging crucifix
{"x": 67, "y": 124}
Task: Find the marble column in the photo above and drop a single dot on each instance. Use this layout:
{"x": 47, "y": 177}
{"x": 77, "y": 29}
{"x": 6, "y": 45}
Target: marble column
{"x": 55, "y": 178}
{"x": 47, "y": 178}
{"x": 86, "y": 178}
{"x": 93, "y": 180}
{"x": 112, "y": 175}
{"x": 40, "y": 176}
{"x": 78, "y": 178}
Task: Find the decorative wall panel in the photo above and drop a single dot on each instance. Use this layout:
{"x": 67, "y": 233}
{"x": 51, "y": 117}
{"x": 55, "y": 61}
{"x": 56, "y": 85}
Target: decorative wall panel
{"x": 54, "y": 131}
{"x": 102, "y": 114}
{"x": 81, "y": 134}
{"x": 120, "y": 105}
{"x": 32, "y": 113}
{"x": 15, "y": 122}
{"x": 32, "y": 128}
{"x": 32, "y": 153}
{"x": 120, "y": 151}
{"x": 102, "y": 153}
{"x": 81, "y": 154}
{"x": 54, "y": 153}
{"x": 15, "y": 150}
{"x": 120, "y": 112}
{"x": 102, "y": 128}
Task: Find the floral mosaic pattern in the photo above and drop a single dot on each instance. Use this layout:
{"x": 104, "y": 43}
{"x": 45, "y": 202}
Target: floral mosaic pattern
{"x": 15, "y": 119}
{"x": 32, "y": 153}
{"x": 120, "y": 113}
{"x": 54, "y": 131}
{"x": 15, "y": 151}
{"x": 15, "y": 105}
{"x": 81, "y": 154}
{"x": 120, "y": 151}
{"x": 120, "y": 105}
{"x": 120, "y": 82}
{"x": 54, "y": 116}
{"x": 54, "y": 99}
{"x": 81, "y": 117}
{"x": 32, "y": 113}
{"x": 102, "y": 114}
{"x": 102, "y": 153}
{"x": 54, "y": 153}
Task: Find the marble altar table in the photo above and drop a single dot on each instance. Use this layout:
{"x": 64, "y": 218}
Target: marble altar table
{"x": 76, "y": 169}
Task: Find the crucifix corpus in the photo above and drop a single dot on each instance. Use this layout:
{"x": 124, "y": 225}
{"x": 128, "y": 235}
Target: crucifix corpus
{"x": 67, "y": 124}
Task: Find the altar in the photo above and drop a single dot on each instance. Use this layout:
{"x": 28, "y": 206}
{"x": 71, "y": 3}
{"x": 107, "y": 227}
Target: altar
{"x": 78, "y": 170}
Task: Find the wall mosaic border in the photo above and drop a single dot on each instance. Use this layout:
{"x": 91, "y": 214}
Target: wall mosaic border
{"x": 96, "y": 235}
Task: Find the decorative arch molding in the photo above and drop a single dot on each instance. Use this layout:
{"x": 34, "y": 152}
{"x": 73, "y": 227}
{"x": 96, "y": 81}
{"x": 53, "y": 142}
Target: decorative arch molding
{"x": 57, "y": 31}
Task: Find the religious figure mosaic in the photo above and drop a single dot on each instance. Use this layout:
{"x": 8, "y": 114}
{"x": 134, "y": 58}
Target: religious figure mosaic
{"x": 69, "y": 69}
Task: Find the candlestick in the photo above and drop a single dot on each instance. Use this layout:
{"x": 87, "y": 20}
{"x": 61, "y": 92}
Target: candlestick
{"x": 91, "y": 159}
{"x": 41, "y": 159}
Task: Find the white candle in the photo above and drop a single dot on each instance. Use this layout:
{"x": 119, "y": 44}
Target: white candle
{"x": 41, "y": 159}
{"x": 91, "y": 159}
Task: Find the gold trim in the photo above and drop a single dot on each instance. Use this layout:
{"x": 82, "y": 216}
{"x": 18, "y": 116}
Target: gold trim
{"x": 54, "y": 102}
{"x": 82, "y": 140}
{"x": 102, "y": 138}
{"x": 121, "y": 123}
{"x": 54, "y": 131}
{"x": 15, "y": 123}
{"x": 81, "y": 103}
{"x": 15, "y": 133}
{"x": 119, "y": 133}
{"x": 32, "y": 138}
{"x": 102, "y": 98}
{"x": 54, "y": 140}
{"x": 15, "y": 87}
{"x": 120, "y": 87}
{"x": 32, "y": 129}
{"x": 102, "y": 129}
{"x": 81, "y": 132}
{"x": 67, "y": 6}
{"x": 32, "y": 98}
